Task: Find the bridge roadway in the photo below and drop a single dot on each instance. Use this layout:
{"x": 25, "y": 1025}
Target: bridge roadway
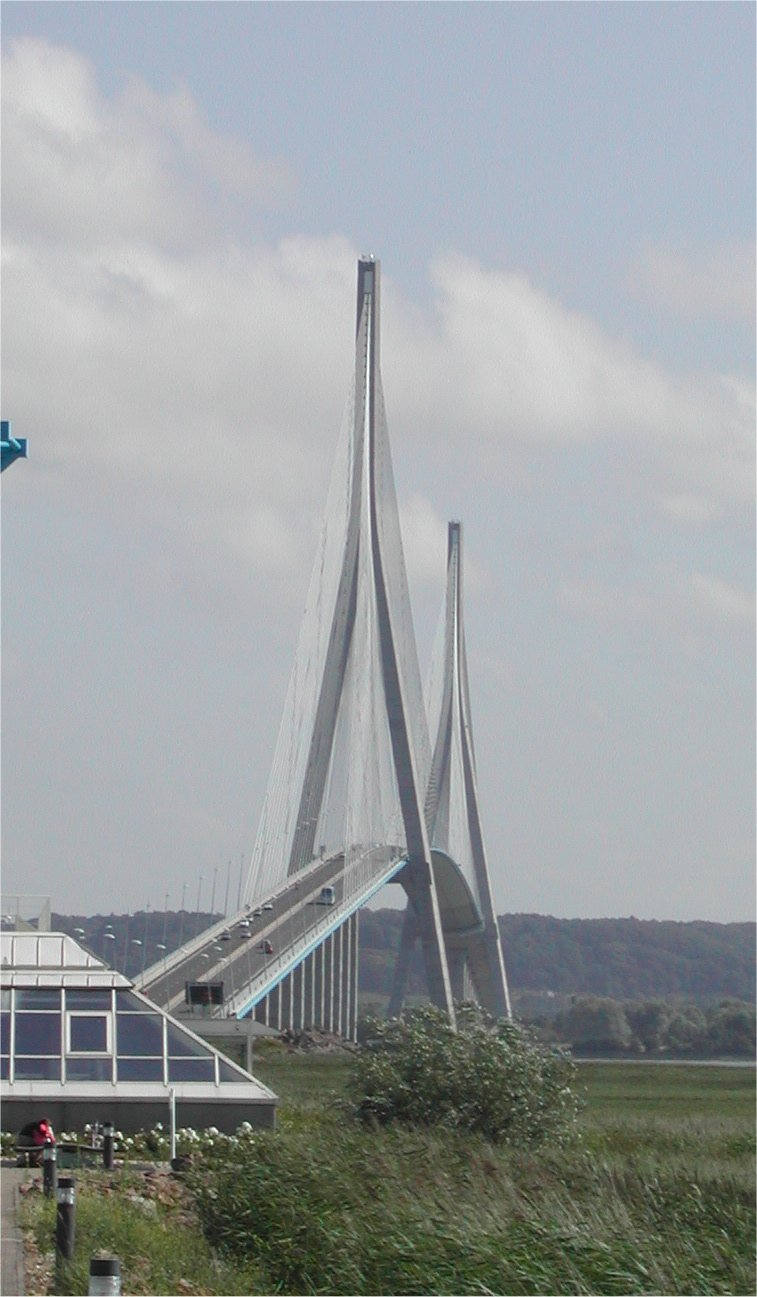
{"x": 291, "y": 922}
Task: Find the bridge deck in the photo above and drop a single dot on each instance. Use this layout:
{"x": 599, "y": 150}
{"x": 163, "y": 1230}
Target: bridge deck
{"x": 291, "y": 921}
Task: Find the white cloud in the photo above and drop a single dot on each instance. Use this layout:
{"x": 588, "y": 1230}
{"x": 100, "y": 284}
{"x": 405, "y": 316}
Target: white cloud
{"x": 604, "y": 603}
{"x": 688, "y": 508}
{"x": 213, "y": 372}
{"x": 721, "y": 601}
{"x": 424, "y": 536}
{"x": 695, "y": 602}
{"x": 508, "y": 360}
{"x": 716, "y": 283}
{"x": 89, "y": 173}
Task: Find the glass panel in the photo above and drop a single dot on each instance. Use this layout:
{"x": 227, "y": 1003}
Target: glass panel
{"x": 5, "y": 1033}
{"x": 89, "y": 1069}
{"x": 227, "y": 1073}
{"x": 37, "y": 1069}
{"x": 4, "y": 1067}
{"x": 126, "y": 1002}
{"x": 191, "y": 1069}
{"x": 140, "y": 1069}
{"x": 81, "y": 999}
{"x": 38, "y": 997}
{"x": 140, "y": 1034}
{"x": 37, "y": 1033}
{"x": 88, "y": 1034}
{"x": 5, "y": 998}
{"x": 180, "y": 1045}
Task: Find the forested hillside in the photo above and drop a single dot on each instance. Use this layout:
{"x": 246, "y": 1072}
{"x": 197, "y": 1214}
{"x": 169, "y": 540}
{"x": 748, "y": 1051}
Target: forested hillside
{"x": 630, "y": 958}
{"x": 620, "y": 958}
{"x": 624, "y": 959}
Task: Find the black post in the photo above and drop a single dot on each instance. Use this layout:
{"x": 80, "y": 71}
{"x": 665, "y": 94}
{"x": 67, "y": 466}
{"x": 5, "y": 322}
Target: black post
{"x": 108, "y": 1145}
{"x": 65, "y": 1218}
{"x": 49, "y": 1168}
{"x": 104, "y": 1276}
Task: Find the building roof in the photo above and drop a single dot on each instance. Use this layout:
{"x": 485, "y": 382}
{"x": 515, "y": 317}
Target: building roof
{"x": 48, "y": 1052}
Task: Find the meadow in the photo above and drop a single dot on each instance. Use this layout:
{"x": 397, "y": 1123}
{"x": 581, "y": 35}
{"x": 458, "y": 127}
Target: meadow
{"x": 654, "y": 1193}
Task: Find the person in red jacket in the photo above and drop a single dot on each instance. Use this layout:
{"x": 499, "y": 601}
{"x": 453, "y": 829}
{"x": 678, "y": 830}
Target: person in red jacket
{"x": 32, "y": 1139}
{"x": 42, "y": 1133}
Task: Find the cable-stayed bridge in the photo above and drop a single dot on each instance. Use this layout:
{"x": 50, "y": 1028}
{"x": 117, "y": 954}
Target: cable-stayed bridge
{"x": 356, "y": 796}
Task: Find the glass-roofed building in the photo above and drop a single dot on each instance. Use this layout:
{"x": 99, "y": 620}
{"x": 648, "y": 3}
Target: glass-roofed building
{"x": 80, "y": 1044}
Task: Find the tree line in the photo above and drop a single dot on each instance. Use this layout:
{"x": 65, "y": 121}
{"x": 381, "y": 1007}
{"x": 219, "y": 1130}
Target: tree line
{"x": 601, "y": 986}
{"x": 623, "y": 959}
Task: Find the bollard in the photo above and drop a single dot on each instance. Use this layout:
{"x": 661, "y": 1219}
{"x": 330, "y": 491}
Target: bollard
{"x": 108, "y": 1145}
{"x": 104, "y": 1276}
{"x": 49, "y": 1168}
{"x": 65, "y": 1218}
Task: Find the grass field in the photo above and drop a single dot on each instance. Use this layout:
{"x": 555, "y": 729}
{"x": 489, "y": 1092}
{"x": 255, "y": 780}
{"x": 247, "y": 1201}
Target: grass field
{"x": 654, "y": 1195}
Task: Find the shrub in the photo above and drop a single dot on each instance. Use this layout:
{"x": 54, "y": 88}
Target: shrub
{"x": 485, "y": 1077}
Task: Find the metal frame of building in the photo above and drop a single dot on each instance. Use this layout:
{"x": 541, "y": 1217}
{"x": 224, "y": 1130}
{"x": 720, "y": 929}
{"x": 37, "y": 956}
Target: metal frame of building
{"x": 130, "y": 1060}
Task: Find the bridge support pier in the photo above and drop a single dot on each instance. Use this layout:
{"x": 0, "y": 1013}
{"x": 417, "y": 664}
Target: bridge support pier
{"x": 321, "y": 993}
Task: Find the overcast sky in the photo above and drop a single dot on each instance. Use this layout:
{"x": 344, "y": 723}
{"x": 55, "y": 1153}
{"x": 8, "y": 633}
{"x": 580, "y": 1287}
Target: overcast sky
{"x": 562, "y": 197}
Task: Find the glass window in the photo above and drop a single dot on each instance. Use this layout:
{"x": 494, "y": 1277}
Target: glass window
{"x": 37, "y": 1033}
{"x": 180, "y": 1045}
{"x": 4, "y": 1066}
{"x": 140, "y": 1069}
{"x": 228, "y": 1073}
{"x": 38, "y": 997}
{"x": 37, "y": 1069}
{"x": 89, "y": 1069}
{"x": 5, "y": 998}
{"x": 82, "y": 999}
{"x": 126, "y": 1002}
{"x": 191, "y": 1069}
{"x": 88, "y": 1033}
{"x": 140, "y": 1033}
{"x": 5, "y": 1033}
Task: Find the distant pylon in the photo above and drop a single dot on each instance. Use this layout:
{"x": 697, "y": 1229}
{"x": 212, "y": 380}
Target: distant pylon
{"x": 474, "y": 951}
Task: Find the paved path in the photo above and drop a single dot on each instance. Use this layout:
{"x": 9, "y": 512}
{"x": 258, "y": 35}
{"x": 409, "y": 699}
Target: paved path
{"x": 12, "y": 1251}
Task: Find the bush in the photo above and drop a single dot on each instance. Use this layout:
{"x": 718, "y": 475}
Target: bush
{"x": 490, "y": 1078}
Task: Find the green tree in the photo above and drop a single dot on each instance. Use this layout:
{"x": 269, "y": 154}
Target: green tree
{"x": 595, "y": 1025}
{"x": 731, "y": 1031}
{"x": 649, "y": 1021}
{"x": 486, "y": 1077}
{"x": 686, "y": 1030}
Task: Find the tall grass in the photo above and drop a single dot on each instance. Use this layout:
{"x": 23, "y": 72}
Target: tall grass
{"x": 151, "y": 1227}
{"x": 326, "y": 1208}
{"x": 655, "y": 1194}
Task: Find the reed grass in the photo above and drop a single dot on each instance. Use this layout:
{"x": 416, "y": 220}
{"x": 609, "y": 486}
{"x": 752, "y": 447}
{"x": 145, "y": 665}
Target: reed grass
{"x": 653, "y": 1194}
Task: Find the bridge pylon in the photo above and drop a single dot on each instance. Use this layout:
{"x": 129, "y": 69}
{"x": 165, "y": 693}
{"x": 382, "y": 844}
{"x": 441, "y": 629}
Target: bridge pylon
{"x": 351, "y": 764}
{"x": 453, "y": 819}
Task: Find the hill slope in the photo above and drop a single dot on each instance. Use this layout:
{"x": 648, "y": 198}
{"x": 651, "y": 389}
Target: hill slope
{"x": 620, "y": 958}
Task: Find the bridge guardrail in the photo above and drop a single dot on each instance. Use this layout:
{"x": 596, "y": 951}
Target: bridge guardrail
{"x": 285, "y": 961}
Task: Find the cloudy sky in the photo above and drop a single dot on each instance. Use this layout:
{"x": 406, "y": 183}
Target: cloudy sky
{"x": 562, "y": 198}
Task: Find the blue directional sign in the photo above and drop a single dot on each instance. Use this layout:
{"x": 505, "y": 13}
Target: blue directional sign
{"x": 12, "y": 447}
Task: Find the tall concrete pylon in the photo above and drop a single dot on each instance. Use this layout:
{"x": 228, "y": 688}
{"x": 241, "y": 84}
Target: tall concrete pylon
{"x": 453, "y": 820}
{"x": 368, "y": 624}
